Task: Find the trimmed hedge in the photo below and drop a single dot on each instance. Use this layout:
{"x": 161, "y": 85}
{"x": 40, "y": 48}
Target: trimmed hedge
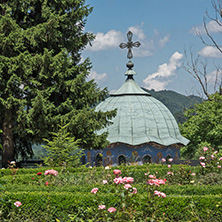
{"x": 173, "y": 190}
{"x": 44, "y": 206}
{"x": 152, "y": 168}
{"x": 68, "y": 198}
{"x": 84, "y": 175}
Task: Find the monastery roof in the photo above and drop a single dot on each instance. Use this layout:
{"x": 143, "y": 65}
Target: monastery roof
{"x": 140, "y": 118}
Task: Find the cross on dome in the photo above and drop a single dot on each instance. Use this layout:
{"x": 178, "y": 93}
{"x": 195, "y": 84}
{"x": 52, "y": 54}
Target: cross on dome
{"x": 129, "y": 45}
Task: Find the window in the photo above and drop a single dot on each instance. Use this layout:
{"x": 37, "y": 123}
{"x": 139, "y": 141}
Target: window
{"x": 99, "y": 159}
{"x": 121, "y": 159}
{"x": 146, "y": 159}
{"x": 167, "y": 159}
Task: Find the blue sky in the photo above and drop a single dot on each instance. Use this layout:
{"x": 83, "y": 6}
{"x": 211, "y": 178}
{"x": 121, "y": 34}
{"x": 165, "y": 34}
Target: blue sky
{"x": 165, "y": 28}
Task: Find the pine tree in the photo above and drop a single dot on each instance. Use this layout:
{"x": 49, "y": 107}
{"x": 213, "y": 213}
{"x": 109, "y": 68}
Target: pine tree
{"x": 42, "y": 78}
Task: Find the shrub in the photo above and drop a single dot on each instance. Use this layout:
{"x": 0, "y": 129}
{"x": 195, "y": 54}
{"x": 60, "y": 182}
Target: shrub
{"x": 62, "y": 150}
{"x": 211, "y": 179}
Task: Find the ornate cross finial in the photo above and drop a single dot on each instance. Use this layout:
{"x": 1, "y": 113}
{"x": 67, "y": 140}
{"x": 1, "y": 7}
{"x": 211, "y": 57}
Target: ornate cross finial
{"x": 129, "y": 45}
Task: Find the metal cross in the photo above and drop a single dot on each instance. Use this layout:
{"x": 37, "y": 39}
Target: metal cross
{"x": 129, "y": 45}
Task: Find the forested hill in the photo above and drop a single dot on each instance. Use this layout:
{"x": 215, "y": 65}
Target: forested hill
{"x": 175, "y": 102}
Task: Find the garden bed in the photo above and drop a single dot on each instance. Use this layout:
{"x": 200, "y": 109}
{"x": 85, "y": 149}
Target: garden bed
{"x": 68, "y": 197}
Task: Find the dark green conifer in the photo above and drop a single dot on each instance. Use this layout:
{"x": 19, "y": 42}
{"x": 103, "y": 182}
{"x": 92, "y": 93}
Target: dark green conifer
{"x": 42, "y": 78}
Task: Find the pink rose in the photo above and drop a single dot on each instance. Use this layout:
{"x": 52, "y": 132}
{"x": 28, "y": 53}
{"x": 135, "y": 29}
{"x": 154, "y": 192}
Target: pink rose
{"x": 162, "y": 194}
{"x": 46, "y": 183}
{"x": 134, "y": 190}
{"x": 156, "y": 192}
{"x": 117, "y": 172}
{"x": 102, "y": 207}
{"x": 159, "y": 194}
{"x": 118, "y": 180}
{"x": 152, "y": 177}
{"x": 163, "y": 160}
{"x": 128, "y": 180}
{"x": 202, "y": 158}
{"x": 152, "y": 182}
{"x": 171, "y": 159}
{"x": 94, "y": 190}
{"x": 202, "y": 164}
{"x": 169, "y": 166}
{"x": 52, "y": 172}
{"x": 127, "y": 186}
{"x": 17, "y": 203}
{"x": 105, "y": 181}
{"x": 193, "y": 174}
{"x": 160, "y": 181}
{"x": 220, "y": 158}
{"x": 156, "y": 182}
{"x": 205, "y": 149}
{"x": 218, "y": 166}
{"x": 112, "y": 209}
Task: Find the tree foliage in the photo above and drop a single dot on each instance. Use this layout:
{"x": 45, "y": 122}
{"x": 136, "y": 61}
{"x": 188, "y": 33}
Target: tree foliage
{"x": 62, "y": 150}
{"x": 203, "y": 126}
{"x": 42, "y": 78}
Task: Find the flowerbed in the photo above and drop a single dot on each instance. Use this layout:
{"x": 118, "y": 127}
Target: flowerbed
{"x": 126, "y": 193}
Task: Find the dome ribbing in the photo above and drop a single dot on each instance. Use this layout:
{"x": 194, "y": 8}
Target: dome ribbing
{"x": 140, "y": 118}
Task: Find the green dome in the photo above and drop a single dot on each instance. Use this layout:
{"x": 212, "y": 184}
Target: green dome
{"x": 140, "y": 118}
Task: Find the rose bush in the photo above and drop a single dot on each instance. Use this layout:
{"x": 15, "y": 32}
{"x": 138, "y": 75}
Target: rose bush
{"x": 129, "y": 205}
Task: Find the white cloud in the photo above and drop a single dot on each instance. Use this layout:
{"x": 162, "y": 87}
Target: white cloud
{"x": 156, "y": 32}
{"x": 113, "y": 38}
{"x": 215, "y": 77}
{"x": 147, "y": 46}
{"x": 103, "y": 41}
{"x": 211, "y": 77}
{"x": 160, "y": 79}
{"x": 99, "y": 78}
{"x": 156, "y": 84}
{"x": 212, "y": 27}
{"x": 164, "y": 40}
{"x": 145, "y": 50}
{"x": 210, "y": 51}
{"x": 137, "y": 30}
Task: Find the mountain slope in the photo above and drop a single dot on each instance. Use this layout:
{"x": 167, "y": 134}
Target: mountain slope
{"x": 175, "y": 102}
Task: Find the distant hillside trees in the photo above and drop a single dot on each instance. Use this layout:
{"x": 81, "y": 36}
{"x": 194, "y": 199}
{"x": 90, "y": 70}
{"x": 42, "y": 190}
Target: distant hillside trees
{"x": 42, "y": 77}
{"x": 175, "y": 102}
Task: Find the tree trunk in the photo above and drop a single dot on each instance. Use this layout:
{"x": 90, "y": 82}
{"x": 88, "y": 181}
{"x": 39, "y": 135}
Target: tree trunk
{"x": 8, "y": 152}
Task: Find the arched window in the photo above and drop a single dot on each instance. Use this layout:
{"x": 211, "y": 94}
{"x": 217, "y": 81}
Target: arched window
{"x": 121, "y": 159}
{"x": 146, "y": 159}
{"x": 99, "y": 159}
{"x": 167, "y": 159}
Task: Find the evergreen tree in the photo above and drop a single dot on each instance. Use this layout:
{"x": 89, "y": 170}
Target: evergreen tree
{"x": 62, "y": 150}
{"x": 42, "y": 78}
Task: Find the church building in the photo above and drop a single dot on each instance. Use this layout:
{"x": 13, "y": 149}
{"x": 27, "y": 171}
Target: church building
{"x": 143, "y": 131}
